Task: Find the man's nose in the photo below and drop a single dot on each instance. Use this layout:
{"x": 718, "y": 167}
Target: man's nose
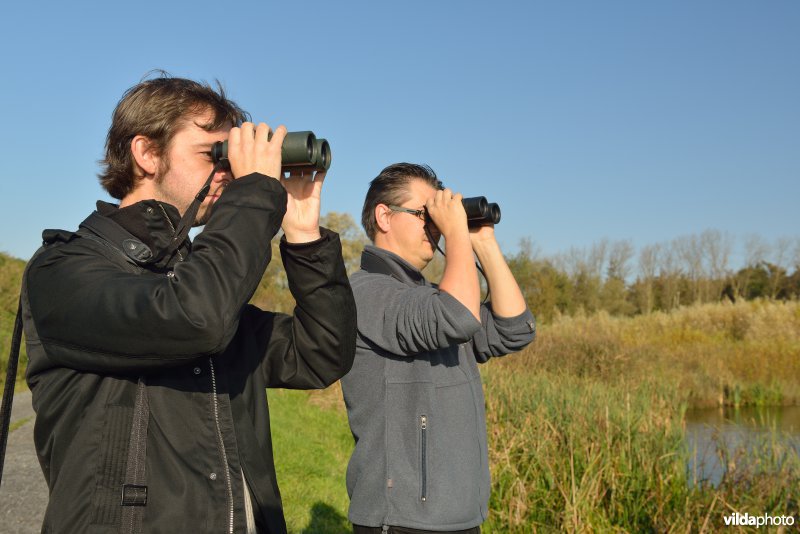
{"x": 222, "y": 176}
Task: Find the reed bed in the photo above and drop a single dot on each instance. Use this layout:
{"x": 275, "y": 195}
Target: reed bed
{"x": 714, "y": 354}
{"x": 586, "y": 427}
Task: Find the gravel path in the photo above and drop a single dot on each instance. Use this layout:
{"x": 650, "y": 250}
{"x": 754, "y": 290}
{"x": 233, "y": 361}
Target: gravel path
{"x": 23, "y": 493}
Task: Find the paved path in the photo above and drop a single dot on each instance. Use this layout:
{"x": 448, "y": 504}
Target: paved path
{"x": 23, "y": 494}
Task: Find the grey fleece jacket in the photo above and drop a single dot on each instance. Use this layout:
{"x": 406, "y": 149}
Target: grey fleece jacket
{"x": 415, "y": 401}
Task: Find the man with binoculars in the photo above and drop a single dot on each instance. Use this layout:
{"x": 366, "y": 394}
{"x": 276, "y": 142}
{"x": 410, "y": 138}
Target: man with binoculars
{"x": 414, "y": 396}
{"x": 147, "y": 365}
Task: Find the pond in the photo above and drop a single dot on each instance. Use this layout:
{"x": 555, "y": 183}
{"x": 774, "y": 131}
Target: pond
{"x": 729, "y": 441}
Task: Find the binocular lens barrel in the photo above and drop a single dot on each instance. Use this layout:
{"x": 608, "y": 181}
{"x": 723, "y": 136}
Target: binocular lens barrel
{"x": 299, "y": 149}
{"x": 480, "y": 212}
{"x": 476, "y": 207}
{"x": 494, "y": 211}
{"x": 322, "y": 154}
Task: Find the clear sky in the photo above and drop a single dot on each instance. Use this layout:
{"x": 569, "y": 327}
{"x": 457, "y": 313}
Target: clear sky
{"x": 584, "y": 120}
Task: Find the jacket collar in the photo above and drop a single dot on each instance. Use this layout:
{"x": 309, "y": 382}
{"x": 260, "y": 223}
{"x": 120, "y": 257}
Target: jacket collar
{"x": 143, "y": 230}
{"x": 150, "y": 221}
{"x": 381, "y": 261}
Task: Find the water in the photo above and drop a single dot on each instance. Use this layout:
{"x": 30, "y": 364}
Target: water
{"x": 730, "y": 441}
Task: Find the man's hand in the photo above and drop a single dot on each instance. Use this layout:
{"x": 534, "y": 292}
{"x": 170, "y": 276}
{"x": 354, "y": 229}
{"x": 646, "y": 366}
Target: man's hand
{"x": 301, "y": 222}
{"x": 481, "y": 234}
{"x": 507, "y": 299}
{"x": 447, "y": 213}
{"x": 460, "y": 278}
{"x": 250, "y": 150}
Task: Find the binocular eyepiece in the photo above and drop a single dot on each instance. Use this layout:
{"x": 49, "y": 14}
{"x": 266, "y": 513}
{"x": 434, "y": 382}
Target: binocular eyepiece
{"x": 300, "y": 150}
{"x": 480, "y": 211}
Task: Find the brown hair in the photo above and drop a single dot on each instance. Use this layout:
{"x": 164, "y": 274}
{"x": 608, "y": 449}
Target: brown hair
{"x": 391, "y": 187}
{"x": 157, "y": 109}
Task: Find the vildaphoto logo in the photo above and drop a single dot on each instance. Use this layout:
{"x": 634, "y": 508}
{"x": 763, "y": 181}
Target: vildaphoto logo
{"x": 746, "y": 520}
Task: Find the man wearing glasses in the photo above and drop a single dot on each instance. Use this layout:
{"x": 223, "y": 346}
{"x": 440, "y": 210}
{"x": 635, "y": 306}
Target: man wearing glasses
{"x": 414, "y": 396}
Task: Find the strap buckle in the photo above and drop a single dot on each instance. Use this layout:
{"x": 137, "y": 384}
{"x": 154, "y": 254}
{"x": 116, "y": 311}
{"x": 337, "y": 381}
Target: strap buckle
{"x": 133, "y": 495}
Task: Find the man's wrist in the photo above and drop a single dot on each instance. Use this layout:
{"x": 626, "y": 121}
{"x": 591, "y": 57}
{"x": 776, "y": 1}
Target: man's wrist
{"x": 484, "y": 248}
{"x": 302, "y": 236}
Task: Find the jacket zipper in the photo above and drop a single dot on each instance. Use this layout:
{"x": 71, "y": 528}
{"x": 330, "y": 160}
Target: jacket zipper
{"x": 423, "y": 429}
{"x": 221, "y": 444}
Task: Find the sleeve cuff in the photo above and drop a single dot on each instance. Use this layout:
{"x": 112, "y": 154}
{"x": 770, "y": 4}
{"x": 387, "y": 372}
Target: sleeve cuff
{"x": 325, "y": 236}
{"x": 524, "y": 321}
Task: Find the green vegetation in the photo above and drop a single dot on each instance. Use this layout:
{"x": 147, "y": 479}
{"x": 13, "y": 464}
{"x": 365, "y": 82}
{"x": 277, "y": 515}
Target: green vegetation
{"x": 746, "y": 353}
{"x": 312, "y": 445}
{"x": 586, "y": 426}
{"x": 11, "y": 270}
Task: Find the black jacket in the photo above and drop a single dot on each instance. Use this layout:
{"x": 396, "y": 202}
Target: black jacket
{"x": 95, "y": 322}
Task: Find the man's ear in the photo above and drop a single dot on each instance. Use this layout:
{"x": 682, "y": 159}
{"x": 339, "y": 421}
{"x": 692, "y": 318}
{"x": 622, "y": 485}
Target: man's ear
{"x": 382, "y": 217}
{"x": 145, "y": 155}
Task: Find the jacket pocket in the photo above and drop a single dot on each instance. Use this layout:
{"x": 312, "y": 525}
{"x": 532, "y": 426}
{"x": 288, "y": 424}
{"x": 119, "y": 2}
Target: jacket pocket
{"x": 407, "y": 443}
{"x": 434, "y": 452}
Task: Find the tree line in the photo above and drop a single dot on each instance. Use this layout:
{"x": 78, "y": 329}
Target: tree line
{"x": 692, "y": 269}
{"x": 613, "y": 276}
{"x": 610, "y": 275}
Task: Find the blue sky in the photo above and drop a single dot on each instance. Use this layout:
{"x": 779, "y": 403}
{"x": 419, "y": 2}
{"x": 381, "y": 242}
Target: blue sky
{"x": 584, "y": 120}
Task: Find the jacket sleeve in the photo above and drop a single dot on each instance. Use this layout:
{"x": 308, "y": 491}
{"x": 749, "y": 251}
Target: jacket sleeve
{"x": 315, "y": 346}
{"x": 408, "y": 320}
{"x": 499, "y": 336}
{"x": 90, "y": 314}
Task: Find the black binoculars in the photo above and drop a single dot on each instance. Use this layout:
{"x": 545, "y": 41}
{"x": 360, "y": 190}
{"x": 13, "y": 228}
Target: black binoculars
{"x": 300, "y": 150}
{"x": 480, "y": 211}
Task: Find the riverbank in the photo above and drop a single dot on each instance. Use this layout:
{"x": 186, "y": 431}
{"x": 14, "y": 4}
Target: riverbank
{"x": 587, "y": 426}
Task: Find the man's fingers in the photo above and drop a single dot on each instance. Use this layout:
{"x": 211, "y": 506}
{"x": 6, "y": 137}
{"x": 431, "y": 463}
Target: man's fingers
{"x": 234, "y": 136}
{"x": 262, "y": 132}
{"x": 247, "y": 129}
{"x": 279, "y": 135}
{"x": 319, "y": 178}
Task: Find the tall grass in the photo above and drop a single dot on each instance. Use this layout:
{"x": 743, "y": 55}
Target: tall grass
{"x": 735, "y": 354}
{"x": 576, "y": 454}
{"x": 11, "y": 270}
{"x": 586, "y": 426}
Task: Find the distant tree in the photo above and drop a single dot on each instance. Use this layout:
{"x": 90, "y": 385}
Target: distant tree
{"x": 792, "y": 285}
{"x": 546, "y": 288}
{"x": 689, "y": 250}
{"x": 716, "y": 250}
{"x": 648, "y": 265}
{"x": 668, "y": 286}
{"x": 756, "y": 250}
{"x": 352, "y": 236}
{"x": 756, "y": 281}
{"x": 778, "y": 268}
{"x": 614, "y": 297}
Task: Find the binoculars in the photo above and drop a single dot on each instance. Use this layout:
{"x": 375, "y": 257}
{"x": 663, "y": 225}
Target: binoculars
{"x": 300, "y": 150}
{"x": 480, "y": 211}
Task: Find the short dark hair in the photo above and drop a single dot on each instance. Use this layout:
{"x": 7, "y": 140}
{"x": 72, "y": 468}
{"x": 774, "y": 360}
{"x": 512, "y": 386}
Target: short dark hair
{"x": 391, "y": 186}
{"x": 157, "y": 109}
